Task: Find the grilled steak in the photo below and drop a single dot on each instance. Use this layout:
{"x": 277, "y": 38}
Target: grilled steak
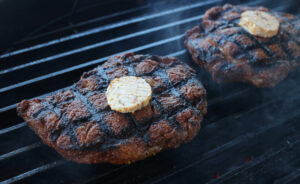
{"x": 230, "y": 53}
{"x": 80, "y": 125}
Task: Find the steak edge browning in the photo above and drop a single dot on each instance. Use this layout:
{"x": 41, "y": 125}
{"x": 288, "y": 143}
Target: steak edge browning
{"x": 231, "y": 54}
{"x": 79, "y": 124}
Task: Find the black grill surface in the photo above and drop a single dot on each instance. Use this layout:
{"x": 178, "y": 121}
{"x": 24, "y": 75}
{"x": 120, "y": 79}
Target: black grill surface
{"x": 248, "y": 136}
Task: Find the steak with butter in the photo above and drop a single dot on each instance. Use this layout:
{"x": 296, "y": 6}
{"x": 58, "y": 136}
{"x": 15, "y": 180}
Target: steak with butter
{"x": 246, "y": 44}
{"x": 80, "y": 125}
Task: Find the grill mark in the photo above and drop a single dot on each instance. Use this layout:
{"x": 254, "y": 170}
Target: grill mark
{"x": 53, "y": 107}
{"x": 140, "y": 130}
{"x": 174, "y": 90}
{"x": 65, "y": 129}
{"x": 101, "y": 72}
{"x": 187, "y": 104}
{"x": 68, "y": 128}
{"x": 90, "y": 108}
{"x": 171, "y": 89}
{"x": 258, "y": 65}
{"x": 130, "y": 69}
{"x": 98, "y": 117}
{"x": 258, "y": 43}
{"x": 231, "y": 38}
{"x": 273, "y": 40}
{"x": 54, "y": 134}
{"x": 285, "y": 46}
{"x": 224, "y": 23}
{"x": 244, "y": 50}
{"x": 290, "y": 37}
{"x": 201, "y": 54}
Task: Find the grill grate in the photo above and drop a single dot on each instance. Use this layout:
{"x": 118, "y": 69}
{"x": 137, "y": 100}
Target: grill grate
{"x": 242, "y": 140}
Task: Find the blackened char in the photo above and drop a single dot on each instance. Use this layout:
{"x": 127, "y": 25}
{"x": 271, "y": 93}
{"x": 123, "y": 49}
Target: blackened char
{"x": 79, "y": 124}
{"x": 231, "y": 54}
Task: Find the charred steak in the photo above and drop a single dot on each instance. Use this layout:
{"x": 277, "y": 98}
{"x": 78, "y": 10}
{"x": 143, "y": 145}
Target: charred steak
{"x": 230, "y": 53}
{"x": 80, "y": 125}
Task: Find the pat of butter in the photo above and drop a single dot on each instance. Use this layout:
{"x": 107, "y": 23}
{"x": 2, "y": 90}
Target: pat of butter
{"x": 128, "y": 94}
{"x": 259, "y": 23}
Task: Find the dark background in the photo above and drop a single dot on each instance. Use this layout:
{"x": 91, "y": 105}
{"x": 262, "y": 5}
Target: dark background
{"x": 19, "y": 19}
{"x": 22, "y": 19}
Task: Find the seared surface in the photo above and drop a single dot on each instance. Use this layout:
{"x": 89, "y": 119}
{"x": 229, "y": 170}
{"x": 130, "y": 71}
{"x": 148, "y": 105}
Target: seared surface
{"x": 232, "y": 54}
{"x": 79, "y": 124}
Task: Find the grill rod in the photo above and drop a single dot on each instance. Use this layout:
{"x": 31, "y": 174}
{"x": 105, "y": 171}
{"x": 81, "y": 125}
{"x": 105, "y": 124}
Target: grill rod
{"x": 206, "y": 156}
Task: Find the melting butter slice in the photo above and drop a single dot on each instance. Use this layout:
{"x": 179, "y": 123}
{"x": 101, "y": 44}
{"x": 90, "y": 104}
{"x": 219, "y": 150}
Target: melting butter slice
{"x": 259, "y": 23}
{"x": 128, "y": 94}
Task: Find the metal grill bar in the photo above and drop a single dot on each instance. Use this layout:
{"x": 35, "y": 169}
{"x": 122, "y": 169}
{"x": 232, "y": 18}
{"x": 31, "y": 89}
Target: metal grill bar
{"x": 103, "y": 175}
{"x": 176, "y": 54}
{"x": 13, "y": 106}
{"x": 255, "y": 163}
{"x": 256, "y": 108}
{"x": 33, "y": 172}
{"x": 90, "y": 63}
{"x": 210, "y": 103}
{"x": 124, "y": 12}
{"x": 119, "y": 24}
{"x": 230, "y": 145}
{"x": 136, "y": 34}
{"x": 45, "y": 167}
{"x": 289, "y": 178}
{"x": 20, "y": 150}
{"x": 226, "y": 146}
{"x": 12, "y": 128}
{"x": 34, "y": 145}
{"x": 97, "y": 61}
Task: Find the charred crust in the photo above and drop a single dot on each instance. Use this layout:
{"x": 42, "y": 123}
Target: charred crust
{"x": 89, "y": 134}
{"x": 51, "y": 121}
{"x": 177, "y": 74}
{"x": 117, "y": 122}
{"x": 156, "y": 82}
{"x": 169, "y": 102}
{"x": 87, "y": 84}
{"x": 193, "y": 92}
{"x": 99, "y": 101}
{"x": 79, "y": 124}
{"x": 117, "y": 73}
{"x": 145, "y": 67}
{"x": 75, "y": 110}
{"x": 189, "y": 121}
{"x": 22, "y": 107}
{"x": 61, "y": 96}
{"x": 231, "y": 54}
{"x": 143, "y": 115}
{"x": 163, "y": 134}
